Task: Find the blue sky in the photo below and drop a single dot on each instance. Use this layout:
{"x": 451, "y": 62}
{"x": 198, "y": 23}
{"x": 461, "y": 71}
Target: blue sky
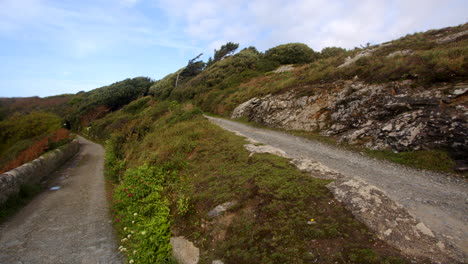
{"x": 50, "y": 47}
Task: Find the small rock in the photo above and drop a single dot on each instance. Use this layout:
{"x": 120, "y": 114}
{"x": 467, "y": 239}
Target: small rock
{"x": 423, "y": 228}
{"x": 400, "y": 53}
{"x": 220, "y": 209}
{"x": 184, "y": 251}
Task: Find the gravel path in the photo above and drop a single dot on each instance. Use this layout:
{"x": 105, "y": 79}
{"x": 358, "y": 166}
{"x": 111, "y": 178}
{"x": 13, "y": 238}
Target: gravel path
{"x": 439, "y": 201}
{"x": 69, "y": 225}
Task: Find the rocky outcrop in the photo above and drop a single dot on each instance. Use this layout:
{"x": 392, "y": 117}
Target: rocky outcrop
{"x": 362, "y": 54}
{"x": 452, "y": 37}
{"x": 393, "y": 116}
{"x": 34, "y": 171}
{"x": 390, "y": 221}
{"x": 400, "y": 53}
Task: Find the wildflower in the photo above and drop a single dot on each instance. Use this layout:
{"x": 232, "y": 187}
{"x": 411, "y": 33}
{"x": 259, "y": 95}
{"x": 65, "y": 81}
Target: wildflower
{"x": 124, "y": 239}
{"x": 125, "y": 228}
{"x": 135, "y": 214}
{"x": 132, "y": 231}
{"x": 131, "y": 261}
{"x": 134, "y": 251}
{"x": 129, "y": 236}
{"x": 125, "y": 190}
{"x": 143, "y": 232}
{"x": 133, "y": 222}
{"x": 312, "y": 220}
{"x": 130, "y": 194}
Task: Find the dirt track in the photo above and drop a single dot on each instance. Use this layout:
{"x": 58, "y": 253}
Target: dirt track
{"x": 439, "y": 201}
{"x": 69, "y": 225}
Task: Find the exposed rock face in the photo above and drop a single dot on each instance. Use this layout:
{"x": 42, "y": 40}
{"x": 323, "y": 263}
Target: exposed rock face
{"x": 284, "y": 68}
{"x": 381, "y": 116}
{"x": 453, "y": 37}
{"x": 400, "y": 53}
{"x": 390, "y": 220}
{"x": 362, "y": 54}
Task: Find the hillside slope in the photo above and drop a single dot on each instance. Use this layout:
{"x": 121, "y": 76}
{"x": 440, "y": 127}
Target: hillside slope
{"x": 170, "y": 168}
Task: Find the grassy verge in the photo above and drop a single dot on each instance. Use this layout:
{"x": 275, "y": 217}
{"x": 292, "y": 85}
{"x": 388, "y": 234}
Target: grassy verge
{"x": 16, "y": 202}
{"x": 184, "y": 166}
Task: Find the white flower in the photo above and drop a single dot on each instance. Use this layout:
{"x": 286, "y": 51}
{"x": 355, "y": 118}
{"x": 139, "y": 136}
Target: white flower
{"x": 143, "y": 232}
{"x": 125, "y": 228}
{"x": 134, "y": 251}
{"x": 131, "y": 261}
{"x": 124, "y": 239}
{"x": 135, "y": 214}
{"x": 133, "y": 222}
{"x": 129, "y": 236}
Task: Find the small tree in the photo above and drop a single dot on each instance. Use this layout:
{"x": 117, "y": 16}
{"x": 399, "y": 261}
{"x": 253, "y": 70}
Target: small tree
{"x": 194, "y": 67}
{"x": 225, "y": 50}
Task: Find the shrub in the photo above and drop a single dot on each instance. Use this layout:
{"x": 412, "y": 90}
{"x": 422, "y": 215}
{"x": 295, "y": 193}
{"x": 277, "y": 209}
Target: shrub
{"x": 114, "y": 162}
{"x": 331, "y": 52}
{"x": 143, "y": 214}
{"x": 291, "y": 53}
{"x": 50, "y": 142}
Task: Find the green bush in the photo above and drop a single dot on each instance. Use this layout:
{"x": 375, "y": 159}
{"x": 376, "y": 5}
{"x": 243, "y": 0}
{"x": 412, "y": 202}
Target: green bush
{"x": 114, "y": 162}
{"x": 291, "y": 53}
{"x": 331, "y": 52}
{"x": 143, "y": 214}
{"x": 162, "y": 89}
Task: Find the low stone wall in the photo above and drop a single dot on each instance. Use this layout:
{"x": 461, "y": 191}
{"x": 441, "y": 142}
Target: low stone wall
{"x": 34, "y": 171}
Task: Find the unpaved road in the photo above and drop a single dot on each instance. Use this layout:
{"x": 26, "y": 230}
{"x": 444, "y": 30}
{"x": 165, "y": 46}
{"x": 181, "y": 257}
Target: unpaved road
{"x": 69, "y": 225}
{"x": 439, "y": 201}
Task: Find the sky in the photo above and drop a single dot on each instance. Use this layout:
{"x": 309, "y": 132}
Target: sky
{"x": 51, "y": 47}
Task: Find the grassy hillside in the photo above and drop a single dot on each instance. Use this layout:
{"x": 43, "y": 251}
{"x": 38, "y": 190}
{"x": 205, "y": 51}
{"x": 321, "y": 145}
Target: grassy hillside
{"x": 229, "y": 82}
{"x": 170, "y": 167}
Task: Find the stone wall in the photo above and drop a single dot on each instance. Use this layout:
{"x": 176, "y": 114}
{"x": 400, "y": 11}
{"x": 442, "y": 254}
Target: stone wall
{"x": 34, "y": 171}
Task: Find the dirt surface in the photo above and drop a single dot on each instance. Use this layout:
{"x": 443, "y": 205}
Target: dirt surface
{"x": 439, "y": 201}
{"x": 69, "y": 225}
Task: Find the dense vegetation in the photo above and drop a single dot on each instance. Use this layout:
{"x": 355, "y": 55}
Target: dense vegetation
{"x": 24, "y": 137}
{"x": 169, "y": 173}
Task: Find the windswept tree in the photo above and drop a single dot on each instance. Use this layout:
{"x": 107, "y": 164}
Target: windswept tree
{"x": 194, "y": 67}
{"x": 225, "y": 50}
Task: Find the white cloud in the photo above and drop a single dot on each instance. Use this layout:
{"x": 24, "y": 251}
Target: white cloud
{"x": 318, "y": 23}
{"x": 191, "y": 25}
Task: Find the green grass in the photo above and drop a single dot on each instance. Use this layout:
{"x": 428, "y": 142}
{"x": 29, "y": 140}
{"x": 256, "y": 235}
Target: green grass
{"x": 193, "y": 166}
{"x": 14, "y": 203}
{"x": 435, "y": 160}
